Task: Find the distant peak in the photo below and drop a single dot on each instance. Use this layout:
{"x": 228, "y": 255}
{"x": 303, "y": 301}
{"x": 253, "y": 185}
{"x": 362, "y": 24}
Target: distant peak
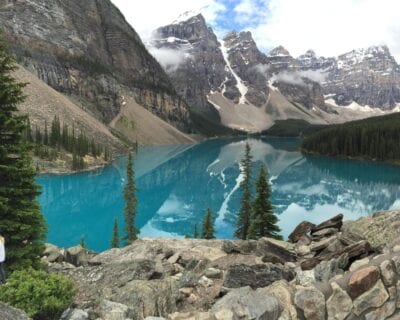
{"x": 188, "y": 15}
{"x": 279, "y": 51}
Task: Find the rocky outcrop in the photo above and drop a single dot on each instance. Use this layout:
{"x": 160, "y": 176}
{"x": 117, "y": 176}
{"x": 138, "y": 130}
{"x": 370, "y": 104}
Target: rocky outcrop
{"x": 88, "y": 51}
{"x": 367, "y": 77}
{"x": 216, "y": 279}
{"x": 9, "y": 313}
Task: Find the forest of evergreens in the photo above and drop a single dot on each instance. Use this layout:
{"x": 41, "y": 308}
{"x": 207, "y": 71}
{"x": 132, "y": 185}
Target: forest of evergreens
{"x": 61, "y": 137}
{"x": 375, "y": 138}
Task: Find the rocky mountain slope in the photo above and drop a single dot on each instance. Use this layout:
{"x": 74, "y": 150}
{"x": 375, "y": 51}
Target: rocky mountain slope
{"x": 87, "y": 51}
{"x": 250, "y": 90}
{"x": 363, "y": 77}
{"x": 325, "y": 271}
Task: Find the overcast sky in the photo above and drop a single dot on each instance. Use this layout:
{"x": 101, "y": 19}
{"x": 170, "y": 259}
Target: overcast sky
{"x": 330, "y": 27}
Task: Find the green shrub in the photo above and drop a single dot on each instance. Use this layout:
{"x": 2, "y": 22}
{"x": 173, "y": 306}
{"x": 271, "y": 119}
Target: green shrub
{"x": 41, "y": 295}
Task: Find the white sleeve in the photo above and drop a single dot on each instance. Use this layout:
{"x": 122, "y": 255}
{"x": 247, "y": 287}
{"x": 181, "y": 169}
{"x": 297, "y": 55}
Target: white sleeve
{"x": 2, "y": 252}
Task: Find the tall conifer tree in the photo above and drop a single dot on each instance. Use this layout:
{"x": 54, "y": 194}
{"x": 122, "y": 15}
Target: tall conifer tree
{"x": 207, "y": 231}
{"x": 263, "y": 220}
{"x": 243, "y": 222}
{"x": 130, "y": 210}
{"x": 21, "y": 222}
{"x": 115, "y": 235}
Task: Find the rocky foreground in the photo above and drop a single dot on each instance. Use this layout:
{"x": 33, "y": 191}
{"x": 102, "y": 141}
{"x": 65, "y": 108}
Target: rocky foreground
{"x": 327, "y": 271}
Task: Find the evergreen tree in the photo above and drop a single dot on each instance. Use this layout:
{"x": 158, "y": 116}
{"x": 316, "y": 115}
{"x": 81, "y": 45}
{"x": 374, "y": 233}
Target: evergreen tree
{"x": 21, "y": 222}
{"x": 46, "y": 134}
{"x": 115, "y": 235}
{"x": 38, "y": 135}
{"x": 263, "y": 221}
{"x": 195, "y": 232}
{"x": 243, "y": 222}
{"x": 207, "y": 232}
{"x": 130, "y": 203}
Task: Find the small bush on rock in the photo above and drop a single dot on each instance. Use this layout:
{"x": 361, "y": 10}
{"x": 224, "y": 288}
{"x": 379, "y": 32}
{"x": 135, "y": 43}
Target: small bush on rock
{"x": 41, "y": 295}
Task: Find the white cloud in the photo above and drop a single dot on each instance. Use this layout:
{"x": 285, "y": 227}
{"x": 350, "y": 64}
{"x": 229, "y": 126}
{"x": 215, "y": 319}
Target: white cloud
{"x": 146, "y": 16}
{"x": 169, "y": 59}
{"x": 296, "y": 77}
{"x": 330, "y": 27}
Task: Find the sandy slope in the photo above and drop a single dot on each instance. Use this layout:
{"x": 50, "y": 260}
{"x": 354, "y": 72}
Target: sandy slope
{"x": 138, "y": 124}
{"x": 43, "y": 103}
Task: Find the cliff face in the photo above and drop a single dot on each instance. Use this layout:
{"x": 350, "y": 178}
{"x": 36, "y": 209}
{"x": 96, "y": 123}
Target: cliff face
{"x": 87, "y": 50}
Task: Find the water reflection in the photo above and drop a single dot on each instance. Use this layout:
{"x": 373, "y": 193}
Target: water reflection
{"x": 178, "y": 183}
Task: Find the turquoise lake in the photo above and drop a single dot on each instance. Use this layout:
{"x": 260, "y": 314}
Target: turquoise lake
{"x": 178, "y": 183}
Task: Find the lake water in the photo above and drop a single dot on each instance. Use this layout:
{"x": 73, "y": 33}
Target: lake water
{"x": 178, "y": 183}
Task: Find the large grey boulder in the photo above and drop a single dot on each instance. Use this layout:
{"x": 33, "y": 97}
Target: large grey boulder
{"x": 109, "y": 310}
{"x": 248, "y": 304}
{"x": 311, "y": 302}
{"x": 149, "y": 298}
{"x": 339, "y": 304}
{"x": 255, "y": 276}
{"x": 74, "y": 314}
{"x": 9, "y": 313}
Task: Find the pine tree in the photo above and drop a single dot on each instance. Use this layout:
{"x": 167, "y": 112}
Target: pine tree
{"x": 115, "y": 235}
{"x": 195, "y": 232}
{"x": 46, "y": 134}
{"x": 130, "y": 203}
{"x": 263, "y": 221}
{"x": 207, "y": 231}
{"x": 21, "y": 222}
{"x": 243, "y": 222}
{"x": 38, "y": 135}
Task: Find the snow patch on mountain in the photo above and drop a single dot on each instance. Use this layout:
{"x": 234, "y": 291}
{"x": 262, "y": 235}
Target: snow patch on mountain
{"x": 239, "y": 83}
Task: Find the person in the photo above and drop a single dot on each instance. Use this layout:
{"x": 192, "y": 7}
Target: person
{"x": 2, "y": 259}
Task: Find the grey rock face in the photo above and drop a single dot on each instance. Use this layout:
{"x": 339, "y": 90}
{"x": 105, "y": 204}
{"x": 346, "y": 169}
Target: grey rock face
{"x": 87, "y": 50}
{"x": 246, "y": 303}
{"x": 312, "y": 302}
{"x": 203, "y": 67}
{"x": 9, "y": 313}
{"x": 74, "y": 314}
{"x": 367, "y": 76}
{"x": 255, "y": 276}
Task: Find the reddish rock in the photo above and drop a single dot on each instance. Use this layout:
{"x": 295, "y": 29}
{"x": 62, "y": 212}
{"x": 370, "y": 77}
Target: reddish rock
{"x": 362, "y": 280}
{"x": 301, "y": 230}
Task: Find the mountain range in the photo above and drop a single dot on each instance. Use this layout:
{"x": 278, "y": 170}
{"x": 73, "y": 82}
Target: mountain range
{"x": 251, "y": 89}
{"x": 88, "y": 56}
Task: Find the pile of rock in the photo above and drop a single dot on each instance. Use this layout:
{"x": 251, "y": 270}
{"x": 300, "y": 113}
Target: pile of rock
{"x": 326, "y": 271}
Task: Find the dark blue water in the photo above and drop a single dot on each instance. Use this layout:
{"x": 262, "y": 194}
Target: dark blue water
{"x": 178, "y": 183}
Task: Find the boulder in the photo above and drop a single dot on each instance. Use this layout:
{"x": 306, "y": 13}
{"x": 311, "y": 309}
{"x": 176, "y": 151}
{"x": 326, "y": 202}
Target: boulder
{"x": 255, "y": 276}
{"x": 322, "y": 244}
{"x": 301, "y": 230}
{"x": 74, "y": 314}
{"x": 312, "y": 302}
{"x": 388, "y": 272}
{"x": 362, "y": 280}
{"x": 324, "y": 233}
{"x": 283, "y": 293}
{"x": 339, "y": 304}
{"x": 247, "y": 304}
{"x": 358, "y": 264}
{"x": 373, "y": 298}
{"x": 282, "y": 250}
{"x": 76, "y": 256}
{"x": 213, "y": 273}
{"x": 326, "y": 270}
{"x": 52, "y": 254}
{"x": 309, "y": 264}
{"x": 383, "y": 312}
{"x": 335, "y": 222}
{"x": 149, "y": 298}
{"x": 109, "y": 310}
{"x": 9, "y": 313}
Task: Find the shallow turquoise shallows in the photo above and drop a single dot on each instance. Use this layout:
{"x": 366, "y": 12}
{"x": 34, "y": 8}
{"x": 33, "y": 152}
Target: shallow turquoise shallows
{"x": 178, "y": 183}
